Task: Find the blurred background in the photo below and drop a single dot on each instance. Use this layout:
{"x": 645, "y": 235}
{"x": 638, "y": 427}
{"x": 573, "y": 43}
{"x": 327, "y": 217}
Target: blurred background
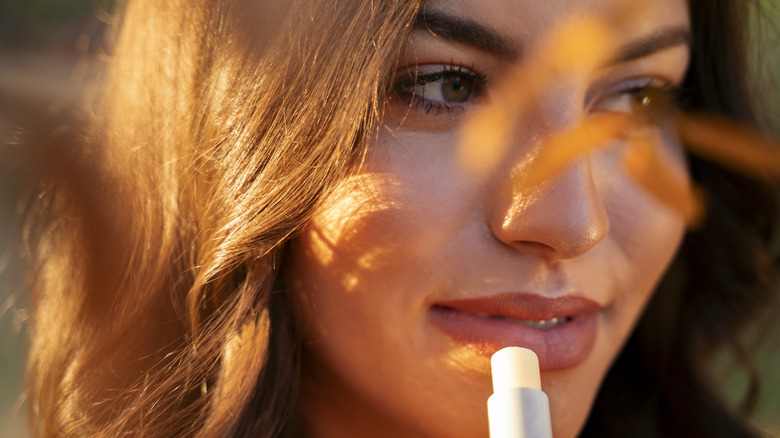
{"x": 47, "y": 48}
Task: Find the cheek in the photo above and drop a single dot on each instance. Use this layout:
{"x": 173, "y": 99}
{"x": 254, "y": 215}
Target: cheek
{"x": 362, "y": 275}
{"x": 406, "y": 204}
{"x": 353, "y": 269}
{"x": 644, "y": 231}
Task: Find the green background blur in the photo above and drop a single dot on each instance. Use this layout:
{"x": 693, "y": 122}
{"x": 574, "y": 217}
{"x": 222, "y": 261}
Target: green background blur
{"x": 44, "y": 48}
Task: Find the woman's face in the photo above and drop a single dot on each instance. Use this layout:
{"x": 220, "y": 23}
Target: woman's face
{"x": 414, "y": 271}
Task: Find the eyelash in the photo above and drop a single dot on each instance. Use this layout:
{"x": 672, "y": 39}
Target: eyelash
{"x": 664, "y": 95}
{"x": 654, "y": 84}
{"x": 405, "y": 87}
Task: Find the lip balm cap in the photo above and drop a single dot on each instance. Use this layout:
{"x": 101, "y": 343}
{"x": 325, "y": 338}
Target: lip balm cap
{"x": 515, "y": 367}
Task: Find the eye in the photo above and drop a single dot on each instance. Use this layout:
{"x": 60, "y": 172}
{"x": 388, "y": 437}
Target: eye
{"x": 449, "y": 88}
{"x": 437, "y": 88}
{"x": 649, "y": 100}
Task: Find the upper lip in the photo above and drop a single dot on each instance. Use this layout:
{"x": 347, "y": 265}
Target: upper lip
{"x": 525, "y": 306}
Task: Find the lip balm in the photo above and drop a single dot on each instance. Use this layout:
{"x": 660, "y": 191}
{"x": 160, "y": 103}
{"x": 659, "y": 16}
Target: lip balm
{"x": 518, "y": 408}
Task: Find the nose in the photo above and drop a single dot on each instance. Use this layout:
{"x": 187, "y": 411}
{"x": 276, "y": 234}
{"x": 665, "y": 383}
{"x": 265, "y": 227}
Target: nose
{"x": 562, "y": 219}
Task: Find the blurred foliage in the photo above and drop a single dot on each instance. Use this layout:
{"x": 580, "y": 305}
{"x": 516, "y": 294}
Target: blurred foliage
{"x": 766, "y": 33}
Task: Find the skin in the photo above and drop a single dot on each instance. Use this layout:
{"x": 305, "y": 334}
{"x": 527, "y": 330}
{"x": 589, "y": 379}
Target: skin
{"x": 411, "y": 228}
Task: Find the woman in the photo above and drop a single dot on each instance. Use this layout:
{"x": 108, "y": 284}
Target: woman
{"x": 285, "y": 241}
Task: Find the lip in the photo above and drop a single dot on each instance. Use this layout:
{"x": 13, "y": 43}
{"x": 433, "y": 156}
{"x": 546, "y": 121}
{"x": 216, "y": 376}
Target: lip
{"x": 477, "y": 323}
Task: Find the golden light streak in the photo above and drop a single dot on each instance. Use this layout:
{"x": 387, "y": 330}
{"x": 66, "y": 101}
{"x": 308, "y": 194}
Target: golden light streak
{"x": 653, "y": 172}
{"x": 561, "y": 149}
{"x": 730, "y": 144}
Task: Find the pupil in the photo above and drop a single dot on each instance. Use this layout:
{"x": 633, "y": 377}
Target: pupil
{"x": 652, "y": 104}
{"x": 642, "y": 101}
{"x": 456, "y": 88}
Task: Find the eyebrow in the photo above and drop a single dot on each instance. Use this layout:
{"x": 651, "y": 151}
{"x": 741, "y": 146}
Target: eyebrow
{"x": 466, "y": 32}
{"x": 662, "y": 39}
{"x": 473, "y": 34}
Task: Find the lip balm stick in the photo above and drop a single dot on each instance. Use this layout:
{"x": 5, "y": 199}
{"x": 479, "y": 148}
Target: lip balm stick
{"x": 518, "y": 408}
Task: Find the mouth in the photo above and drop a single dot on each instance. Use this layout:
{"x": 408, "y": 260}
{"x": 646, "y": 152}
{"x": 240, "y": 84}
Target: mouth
{"x": 561, "y": 331}
{"x": 542, "y": 324}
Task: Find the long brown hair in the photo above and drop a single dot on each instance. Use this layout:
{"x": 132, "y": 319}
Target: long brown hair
{"x": 152, "y": 288}
{"x": 153, "y": 284}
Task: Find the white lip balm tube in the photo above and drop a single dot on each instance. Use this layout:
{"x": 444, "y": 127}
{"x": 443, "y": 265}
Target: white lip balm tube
{"x": 518, "y": 408}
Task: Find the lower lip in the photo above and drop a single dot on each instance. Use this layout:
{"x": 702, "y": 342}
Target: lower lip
{"x": 560, "y": 347}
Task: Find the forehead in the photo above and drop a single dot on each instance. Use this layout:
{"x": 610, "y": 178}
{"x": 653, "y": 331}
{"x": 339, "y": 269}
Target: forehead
{"x": 525, "y": 22}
